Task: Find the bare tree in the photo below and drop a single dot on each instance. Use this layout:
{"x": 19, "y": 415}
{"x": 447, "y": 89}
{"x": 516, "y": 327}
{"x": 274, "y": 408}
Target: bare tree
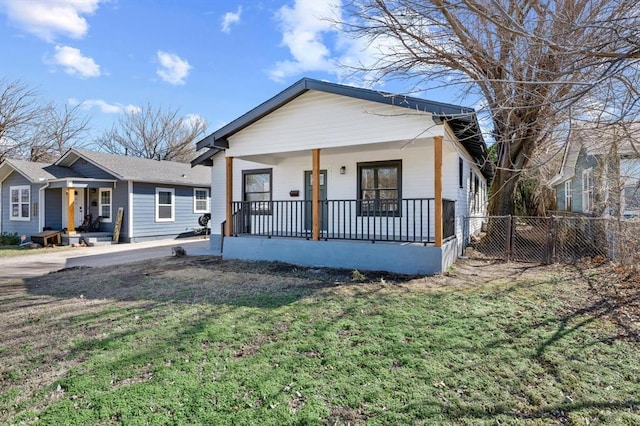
{"x": 530, "y": 60}
{"x": 33, "y": 129}
{"x": 154, "y": 133}
{"x": 20, "y": 110}
{"x": 61, "y": 129}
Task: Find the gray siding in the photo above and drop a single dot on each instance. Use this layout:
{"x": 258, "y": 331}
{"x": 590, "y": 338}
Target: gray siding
{"x": 53, "y": 208}
{"x": 19, "y": 227}
{"x": 89, "y": 170}
{"x": 144, "y": 212}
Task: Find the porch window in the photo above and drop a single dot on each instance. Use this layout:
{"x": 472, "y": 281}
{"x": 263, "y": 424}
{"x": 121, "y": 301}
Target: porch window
{"x": 20, "y": 201}
{"x": 379, "y": 188}
{"x": 568, "y": 196}
{"x": 165, "y": 204}
{"x": 200, "y": 200}
{"x": 104, "y": 204}
{"x": 587, "y": 190}
{"x": 256, "y": 188}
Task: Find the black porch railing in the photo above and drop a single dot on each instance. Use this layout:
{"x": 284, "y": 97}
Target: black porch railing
{"x": 404, "y": 220}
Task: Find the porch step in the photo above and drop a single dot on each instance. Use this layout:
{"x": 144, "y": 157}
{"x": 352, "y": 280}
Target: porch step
{"x": 98, "y": 241}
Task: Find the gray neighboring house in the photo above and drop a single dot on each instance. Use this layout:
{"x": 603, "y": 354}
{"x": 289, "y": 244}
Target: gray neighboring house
{"x": 160, "y": 199}
{"x": 600, "y": 171}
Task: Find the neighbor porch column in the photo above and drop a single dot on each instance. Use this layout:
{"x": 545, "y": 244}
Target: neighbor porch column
{"x": 229, "y": 188}
{"x": 437, "y": 187}
{"x": 71, "y": 210}
{"x": 315, "y": 195}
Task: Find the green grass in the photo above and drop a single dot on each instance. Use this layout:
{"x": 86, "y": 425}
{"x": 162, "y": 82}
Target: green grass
{"x": 12, "y": 251}
{"x": 330, "y": 353}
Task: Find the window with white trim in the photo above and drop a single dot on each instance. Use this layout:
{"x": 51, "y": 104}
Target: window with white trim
{"x": 587, "y": 190}
{"x": 568, "y": 196}
{"x": 20, "y": 202}
{"x": 200, "y": 200}
{"x": 104, "y": 204}
{"x": 165, "y": 204}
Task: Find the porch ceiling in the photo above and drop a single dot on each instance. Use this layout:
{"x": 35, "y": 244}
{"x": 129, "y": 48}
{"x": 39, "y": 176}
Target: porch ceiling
{"x": 275, "y": 158}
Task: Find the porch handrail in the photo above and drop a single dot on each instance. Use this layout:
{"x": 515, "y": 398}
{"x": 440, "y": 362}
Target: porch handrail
{"x": 400, "y": 220}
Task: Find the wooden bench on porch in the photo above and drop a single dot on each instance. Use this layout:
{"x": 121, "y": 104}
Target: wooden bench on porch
{"x": 46, "y": 238}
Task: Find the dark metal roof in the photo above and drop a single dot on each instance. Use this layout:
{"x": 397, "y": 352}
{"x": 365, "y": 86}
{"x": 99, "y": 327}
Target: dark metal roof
{"x": 461, "y": 119}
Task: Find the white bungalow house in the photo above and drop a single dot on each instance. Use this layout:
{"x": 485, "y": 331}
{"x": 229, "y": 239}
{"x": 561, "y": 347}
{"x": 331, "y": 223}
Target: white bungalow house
{"x": 397, "y": 175}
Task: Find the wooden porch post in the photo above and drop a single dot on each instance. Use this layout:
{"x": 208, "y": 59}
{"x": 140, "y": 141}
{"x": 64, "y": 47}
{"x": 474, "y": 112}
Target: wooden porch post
{"x": 71, "y": 210}
{"x": 315, "y": 196}
{"x": 437, "y": 171}
{"x": 229, "y": 189}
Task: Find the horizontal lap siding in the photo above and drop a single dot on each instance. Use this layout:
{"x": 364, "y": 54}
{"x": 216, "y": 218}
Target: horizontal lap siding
{"x": 144, "y": 222}
{"x": 323, "y": 120}
{"x": 89, "y": 170}
{"x": 53, "y": 209}
{"x": 19, "y": 227}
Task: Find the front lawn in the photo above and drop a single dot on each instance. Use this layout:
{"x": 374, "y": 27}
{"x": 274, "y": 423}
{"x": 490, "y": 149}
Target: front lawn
{"x": 198, "y": 340}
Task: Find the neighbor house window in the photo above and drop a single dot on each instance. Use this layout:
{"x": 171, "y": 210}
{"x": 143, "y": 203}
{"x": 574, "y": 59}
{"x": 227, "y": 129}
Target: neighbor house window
{"x": 104, "y": 204}
{"x": 379, "y": 188}
{"x": 476, "y": 193}
{"x": 200, "y": 200}
{"x": 568, "y": 196}
{"x": 165, "y": 204}
{"x": 256, "y": 188}
{"x": 20, "y": 201}
{"x": 460, "y": 173}
{"x": 587, "y": 190}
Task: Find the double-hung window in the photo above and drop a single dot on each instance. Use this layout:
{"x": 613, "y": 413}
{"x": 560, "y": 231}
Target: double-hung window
{"x": 568, "y": 196}
{"x": 20, "y": 201}
{"x": 165, "y": 204}
{"x": 104, "y": 204}
{"x": 587, "y": 190}
{"x": 256, "y": 189}
{"x": 200, "y": 200}
{"x": 380, "y": 188}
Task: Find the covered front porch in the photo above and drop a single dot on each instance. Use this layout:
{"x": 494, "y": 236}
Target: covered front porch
{"x": 380, "y": 229}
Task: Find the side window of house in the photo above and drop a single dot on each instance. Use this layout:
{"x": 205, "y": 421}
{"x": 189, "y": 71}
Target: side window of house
{"x": 104, "y": 204}
{"x": 165, "y": 204}
{"x": 568, "y": 196}
{"x": 200, "y": 200}
{"x": 460, "y": 173}
{"x": 20, "y": 202}
{"x": 256, "y": 188}
{"x": 476, "y": 193}
{"x": 380, "y": 188}
{"x": 587, "y": 190}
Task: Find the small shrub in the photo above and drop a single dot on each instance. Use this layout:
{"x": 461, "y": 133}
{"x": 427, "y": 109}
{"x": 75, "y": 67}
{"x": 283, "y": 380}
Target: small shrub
{"x": 357, "y": 276}
{"x": 7, "y": 239}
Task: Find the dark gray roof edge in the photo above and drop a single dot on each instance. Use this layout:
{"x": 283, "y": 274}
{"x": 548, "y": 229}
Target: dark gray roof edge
{"x": 305, "y": 84}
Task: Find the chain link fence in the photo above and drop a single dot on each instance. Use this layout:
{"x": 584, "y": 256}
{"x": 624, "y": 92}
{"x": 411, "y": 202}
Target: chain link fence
{"x": 564, "y": 239}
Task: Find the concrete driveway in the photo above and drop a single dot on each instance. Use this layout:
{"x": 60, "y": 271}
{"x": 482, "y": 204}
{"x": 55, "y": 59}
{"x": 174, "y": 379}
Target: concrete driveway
{"x": 32, "y": 265}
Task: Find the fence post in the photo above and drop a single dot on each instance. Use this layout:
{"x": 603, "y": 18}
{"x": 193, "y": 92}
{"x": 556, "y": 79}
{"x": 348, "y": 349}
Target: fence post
{"x": 550, "y": 239}
{"x": 508, "y": 240}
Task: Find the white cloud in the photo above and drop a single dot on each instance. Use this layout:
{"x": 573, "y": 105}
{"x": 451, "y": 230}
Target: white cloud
{"x": 230, "y": 18}
{"x": 74, "y": 63}
{"x": 104, "y": 106}
{"x": 50, "y": 18}
{"x": 173, "y": 69}
{"x": 303, "y": 27}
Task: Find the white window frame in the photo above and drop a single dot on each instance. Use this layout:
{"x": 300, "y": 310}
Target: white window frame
{"x": 587, "y": 190}
{"x": 110, "y": 191}
{"x": 568, "y": 196}
{"x": 173, "y": 205}
{"x": 195, "y": 200}
{"x": 20, "y": 203}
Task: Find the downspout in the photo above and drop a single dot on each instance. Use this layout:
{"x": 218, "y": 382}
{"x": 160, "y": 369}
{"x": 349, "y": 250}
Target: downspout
{"x": 41, "y": 206}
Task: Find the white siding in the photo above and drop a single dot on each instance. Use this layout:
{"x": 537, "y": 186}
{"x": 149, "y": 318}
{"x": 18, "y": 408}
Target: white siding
{"x": 322, "y": 120}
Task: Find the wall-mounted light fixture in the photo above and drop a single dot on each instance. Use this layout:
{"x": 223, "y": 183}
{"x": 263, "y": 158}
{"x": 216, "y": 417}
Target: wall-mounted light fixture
{"x": 343, "y": 170}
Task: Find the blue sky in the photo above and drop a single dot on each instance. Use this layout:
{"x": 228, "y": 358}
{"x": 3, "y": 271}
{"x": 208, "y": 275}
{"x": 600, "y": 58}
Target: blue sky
{"x": 212, "y": 58}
